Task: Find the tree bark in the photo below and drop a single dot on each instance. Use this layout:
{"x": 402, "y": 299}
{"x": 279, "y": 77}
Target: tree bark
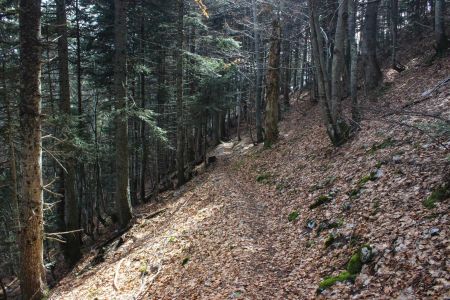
{"x": 71, "y": 207}
{"x": 394, "y": 21}
{"x": 273, "y": 85}
{"x": 336, "y": 127}
{"x": 352, "y": 12}
{"x": 439, "y": 28}
{"x": 258, "y": 66}
{"x": 32, "y": 274}
{"x": 123, "y": 203}
{"x": 372, "y": 72}
{"x": 179, "y": 87}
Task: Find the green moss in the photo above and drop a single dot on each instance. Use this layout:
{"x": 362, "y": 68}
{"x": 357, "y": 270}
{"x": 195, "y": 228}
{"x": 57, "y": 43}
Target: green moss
{"x": 330, "y": 240}
{"x": 293, "y": 216}
{"x": 353, "y": 193}
{"x": 354, "y": 266}
{"x": 367, "y": 178}
{"x": 330, "y": 281}
{"x": 439, "y": 194}
{"x": 384, "y": 144}
{"x": 320, "y": 201}
{"x": 263, "y": 178}
{"x": 357, "y": 260}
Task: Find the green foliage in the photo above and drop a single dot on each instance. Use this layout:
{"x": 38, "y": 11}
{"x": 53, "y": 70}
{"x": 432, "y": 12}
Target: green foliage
{"x": 143, "y": 269}
{"x": 439, "y": 194}
{"x": 323, "y": 199}
{"x": 330, "y": 240}
{"x": 370, "y": 177}
{"x": 185, "y": 261}
{"x": 388, "y": 142}
{"x": 263, "y": 178}
{"x": 293, "y": 216}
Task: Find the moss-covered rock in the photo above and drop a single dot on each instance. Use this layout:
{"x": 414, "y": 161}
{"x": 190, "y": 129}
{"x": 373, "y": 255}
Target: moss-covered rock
{"x": 320, "y": 201}
{"x": 354, "y": 267}
{"x": 330, "y": 281}
{"x": 359, "y": 258}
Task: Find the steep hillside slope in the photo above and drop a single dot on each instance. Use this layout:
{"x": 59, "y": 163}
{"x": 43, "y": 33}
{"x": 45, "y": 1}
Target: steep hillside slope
{"x": 273, "y": 223}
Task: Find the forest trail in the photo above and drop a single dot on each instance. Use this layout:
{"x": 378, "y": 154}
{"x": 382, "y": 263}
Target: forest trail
{"x": 226, "y": 234}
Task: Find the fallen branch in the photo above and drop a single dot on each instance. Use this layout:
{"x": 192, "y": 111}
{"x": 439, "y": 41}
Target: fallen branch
{"x": 116, "y": 275}
{"x": 155, "y": 214}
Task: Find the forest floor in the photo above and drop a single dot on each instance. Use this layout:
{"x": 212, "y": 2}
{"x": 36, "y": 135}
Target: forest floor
{"x": 226, "y": 234}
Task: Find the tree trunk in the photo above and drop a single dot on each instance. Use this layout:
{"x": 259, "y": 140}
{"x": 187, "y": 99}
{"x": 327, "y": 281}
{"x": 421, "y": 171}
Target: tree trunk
{"x": 144, "y": 154}
{"x": 304, "y": 60}
{"x": 336, "y": 126}
{"x": 179, "y": 87}
{"x": 123, "y": 203}
{"x": 32, "y": 274}
{"x": 287, "y": 72}
{"x": 439, "y": 28}
{"x": 372, "y": 72}
{"x": 352, "y": 13}
{"x": 71, "y": 207}
{"x": 273, "y": 85}
{"x": 394, "y": 21}
{"x": 258, "y": 66}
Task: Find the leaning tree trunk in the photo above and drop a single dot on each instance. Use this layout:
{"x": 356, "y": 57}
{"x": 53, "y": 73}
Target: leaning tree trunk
{"x": 372, "y": 72}
{"x": 179, "y": 86}
{"x": 71, "y": 207}
{"x": 439, "y": 28}
{"x": 123, "y": 203}
{"x": 32, "y": 273}
{"x": 273, "y": 85}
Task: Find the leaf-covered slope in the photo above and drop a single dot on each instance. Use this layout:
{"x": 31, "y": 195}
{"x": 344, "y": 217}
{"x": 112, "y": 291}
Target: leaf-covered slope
{"x": 247, "y": 229}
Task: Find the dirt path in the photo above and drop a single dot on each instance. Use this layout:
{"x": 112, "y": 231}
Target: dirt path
{"x": 235, "y": 245}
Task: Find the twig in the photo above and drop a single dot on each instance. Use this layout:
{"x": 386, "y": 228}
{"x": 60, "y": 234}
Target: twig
{"x": 59, "y": 163}
{"x": 53, "y": 193}
{"x": 116, "y": 274}
{"x": 64, "y": 232}
{"x": 55, "y": 239}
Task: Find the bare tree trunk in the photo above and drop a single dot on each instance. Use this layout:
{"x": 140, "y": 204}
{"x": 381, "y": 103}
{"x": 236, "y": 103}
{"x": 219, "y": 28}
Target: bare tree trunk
{"x": 179, "y": 86}
{"x": 258, "y": 66}
{"x": 439, "y": 27}
{"x": 287, "y": 72}
{"x": 71, "y": 207}
{"x": 273, "y": 84}
{"x": 336, "y": 127}
{"x": 394, "y": 21}
{"x": 372, "y": 72}
{"x": 304, "y": 60}
{"x": 352, "y": 12}
{"x": 123, "y": 204}
{"x": 144, "y": 155}
{"x": 32, "y": 274}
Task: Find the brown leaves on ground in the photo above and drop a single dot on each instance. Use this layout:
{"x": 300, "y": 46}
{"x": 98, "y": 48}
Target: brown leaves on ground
{"x": 226, "y": 235}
